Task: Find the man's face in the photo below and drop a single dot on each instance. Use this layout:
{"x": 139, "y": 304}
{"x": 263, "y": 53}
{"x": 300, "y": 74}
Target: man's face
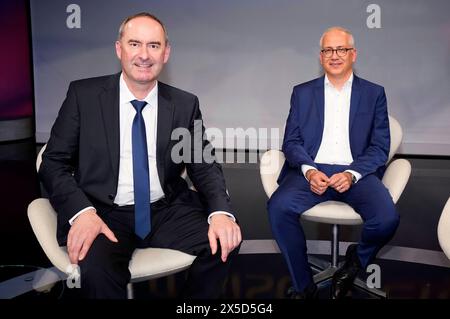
{"x": 142, "y": 51}
{"x": 336, "y": 66}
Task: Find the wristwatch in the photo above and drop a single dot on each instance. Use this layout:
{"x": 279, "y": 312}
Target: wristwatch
{"x": 353, "y": 178}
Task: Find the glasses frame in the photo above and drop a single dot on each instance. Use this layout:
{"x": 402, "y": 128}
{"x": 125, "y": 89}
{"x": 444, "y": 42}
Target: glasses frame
{"x": 343, "y": 51}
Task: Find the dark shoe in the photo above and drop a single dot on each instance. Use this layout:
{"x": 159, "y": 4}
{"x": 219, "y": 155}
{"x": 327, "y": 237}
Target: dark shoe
{"x": 343, "y": 278}
{"x": 309, "y": 293}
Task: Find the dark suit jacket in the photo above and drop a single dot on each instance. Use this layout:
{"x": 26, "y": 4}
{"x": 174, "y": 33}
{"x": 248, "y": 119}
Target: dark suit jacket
{"x": 368, "y": 125}
{"x": 80, "y": 165}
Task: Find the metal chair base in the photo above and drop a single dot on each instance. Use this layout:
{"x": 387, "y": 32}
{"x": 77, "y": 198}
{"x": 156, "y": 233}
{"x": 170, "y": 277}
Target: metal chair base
{"x": 324, "y": 271}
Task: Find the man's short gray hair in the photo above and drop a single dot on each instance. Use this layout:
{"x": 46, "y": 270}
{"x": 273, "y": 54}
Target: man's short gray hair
{"x": 352, "y": 40}
{"x": 141, "y": 14}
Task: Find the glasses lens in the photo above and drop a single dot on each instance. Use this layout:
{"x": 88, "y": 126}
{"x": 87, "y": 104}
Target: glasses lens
{"x": 341, "y": 52}
{"x": 327, "y": 52}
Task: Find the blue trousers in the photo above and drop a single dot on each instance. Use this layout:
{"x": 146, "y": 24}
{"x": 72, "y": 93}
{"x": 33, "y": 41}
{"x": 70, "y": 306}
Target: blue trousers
{"x": 368, "y": 197}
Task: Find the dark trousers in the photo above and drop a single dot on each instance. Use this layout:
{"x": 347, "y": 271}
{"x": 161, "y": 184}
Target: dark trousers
{"x": 368, "y": 197}
{"x": 180, "y": 225}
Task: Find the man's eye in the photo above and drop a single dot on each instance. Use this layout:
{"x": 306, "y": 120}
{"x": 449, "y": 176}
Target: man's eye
{"x": 154, "y": 46}
{"x": 134, "y": 45}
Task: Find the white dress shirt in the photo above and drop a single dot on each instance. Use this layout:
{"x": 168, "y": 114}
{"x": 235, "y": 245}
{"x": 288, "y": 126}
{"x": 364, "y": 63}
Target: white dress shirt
{"x": 335, "y": 145}
{"x": 125, "y": 188}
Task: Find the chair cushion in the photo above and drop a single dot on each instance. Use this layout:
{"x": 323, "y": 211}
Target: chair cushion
{"x": 332, "y": 212}
{"x": 151, "y": 263}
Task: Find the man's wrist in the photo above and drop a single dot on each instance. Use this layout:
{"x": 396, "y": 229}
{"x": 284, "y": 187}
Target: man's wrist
{"x": 310, "y": 173}
{"x": 231, "y": 216}
{"x": 351, "y": 176}
{"x": 84, "y": 210}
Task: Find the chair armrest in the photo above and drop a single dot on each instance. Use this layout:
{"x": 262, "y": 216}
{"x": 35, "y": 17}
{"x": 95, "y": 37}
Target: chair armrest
{"x": 396, "y": 177}
{"x": 42, "y": 218}
{"x": 444, "y": 229}
{"x": 270, "y": 167}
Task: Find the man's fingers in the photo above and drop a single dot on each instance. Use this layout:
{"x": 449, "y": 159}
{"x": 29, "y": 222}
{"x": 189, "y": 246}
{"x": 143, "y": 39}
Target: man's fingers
{"x": 315, "y": 190}
{"x": 318, "y": 190}
{"x": 334, "y": 181}
{"x": 230, "y": 237}
{"x": 69, "y": 240}
{"x": 74, "y": 249}
{"x": 223, "y": 239}
{"x": 318, "y": 184}
{"x": 236, "y": 240}
{"x": 85, "y": 248}
{"x": 73, "y": 257}
{"x": 212, "y": 242}
{"x": 108, "y": 233}
{"x": 238, "y": 236}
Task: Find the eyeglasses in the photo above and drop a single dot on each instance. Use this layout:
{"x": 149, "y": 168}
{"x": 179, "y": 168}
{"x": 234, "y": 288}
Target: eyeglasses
{"x": 341, "y": 52}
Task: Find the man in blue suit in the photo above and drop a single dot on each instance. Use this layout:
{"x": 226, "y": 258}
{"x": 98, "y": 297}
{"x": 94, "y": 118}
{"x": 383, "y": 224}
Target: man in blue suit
{"x": 336, "y": 145}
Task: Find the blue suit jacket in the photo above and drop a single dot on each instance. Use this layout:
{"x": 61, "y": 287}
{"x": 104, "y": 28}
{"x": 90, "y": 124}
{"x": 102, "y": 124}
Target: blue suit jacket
{"x": 368, "y": 127}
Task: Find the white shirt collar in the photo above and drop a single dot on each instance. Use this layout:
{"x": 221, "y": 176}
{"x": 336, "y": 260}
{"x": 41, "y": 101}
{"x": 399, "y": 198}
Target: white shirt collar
{"x": 347, "y": 83}
{"x": 126, "y": 96}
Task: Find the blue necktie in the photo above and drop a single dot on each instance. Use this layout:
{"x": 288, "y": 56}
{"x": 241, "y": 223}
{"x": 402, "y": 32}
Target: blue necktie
{"x": 141, "y": 178}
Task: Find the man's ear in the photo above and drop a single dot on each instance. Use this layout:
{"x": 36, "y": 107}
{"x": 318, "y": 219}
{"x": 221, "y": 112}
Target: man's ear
{"x": 167, "y": 53}
{"x": 118, "y": 49}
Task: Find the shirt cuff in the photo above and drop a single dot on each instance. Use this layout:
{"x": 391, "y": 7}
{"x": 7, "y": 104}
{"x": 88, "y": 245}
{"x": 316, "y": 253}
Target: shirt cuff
{"x": 356, "y": 174}
{"x": 79, "y": 213}
{"x": 306, "y": 168}
{"x": 220, "y": 212}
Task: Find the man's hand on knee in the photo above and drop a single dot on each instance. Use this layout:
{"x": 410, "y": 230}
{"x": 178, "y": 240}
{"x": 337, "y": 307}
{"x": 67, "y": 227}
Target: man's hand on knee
{"x": 227, "y": 232}
{"x": 318, "y": 181}
{"x": 83, "y": 232}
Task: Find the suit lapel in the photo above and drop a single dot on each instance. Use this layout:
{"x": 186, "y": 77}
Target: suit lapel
{"x": 319, "y": 99}
{"x": 164, "y": 129}
{"x": 354, "y": 100}
{"x": 109, "y": 104}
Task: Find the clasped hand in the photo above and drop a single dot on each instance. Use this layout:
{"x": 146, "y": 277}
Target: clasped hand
{"x": 319, "y": 182}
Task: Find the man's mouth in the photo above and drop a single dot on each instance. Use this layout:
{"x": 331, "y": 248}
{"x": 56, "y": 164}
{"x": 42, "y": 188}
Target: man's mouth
{"x": 143, "y": 65}
{"x": 335, "y": 64}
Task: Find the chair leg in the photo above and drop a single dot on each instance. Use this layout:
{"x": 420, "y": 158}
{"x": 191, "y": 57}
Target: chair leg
{"x": 326, "y": 273}
{"x": 130, "y": 291}
{"x": 335, "y": 245}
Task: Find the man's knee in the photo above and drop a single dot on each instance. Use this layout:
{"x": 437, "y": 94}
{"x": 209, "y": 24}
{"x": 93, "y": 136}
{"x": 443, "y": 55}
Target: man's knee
{"x": 94, "y": 267}
{"x": 98, "y": 265}
{"x": 279, "y": 202}
{"x": 390, "y": 222}
{"x": 284, "y": 210}
{"x": 385, "y": 225}
{"x": 278, "y": 208}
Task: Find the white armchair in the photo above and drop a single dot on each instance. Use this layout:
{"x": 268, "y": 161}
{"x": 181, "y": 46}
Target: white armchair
{"x": 444, "y": 229}
{"x": 338, "y": 213}
{"x": 145, "y": 264}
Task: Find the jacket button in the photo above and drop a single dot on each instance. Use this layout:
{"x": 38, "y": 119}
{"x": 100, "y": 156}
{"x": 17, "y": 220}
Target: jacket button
{"x": 111, "y": 196}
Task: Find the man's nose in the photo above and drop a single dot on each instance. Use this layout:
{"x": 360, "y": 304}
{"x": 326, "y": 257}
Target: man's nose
{"x": 334, "y": 54}
{"x": 143, "y": 53}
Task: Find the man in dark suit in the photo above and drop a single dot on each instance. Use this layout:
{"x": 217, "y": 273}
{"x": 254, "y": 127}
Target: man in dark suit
{"x": 336, "y": 145}
{"x": 115, "y": 183}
